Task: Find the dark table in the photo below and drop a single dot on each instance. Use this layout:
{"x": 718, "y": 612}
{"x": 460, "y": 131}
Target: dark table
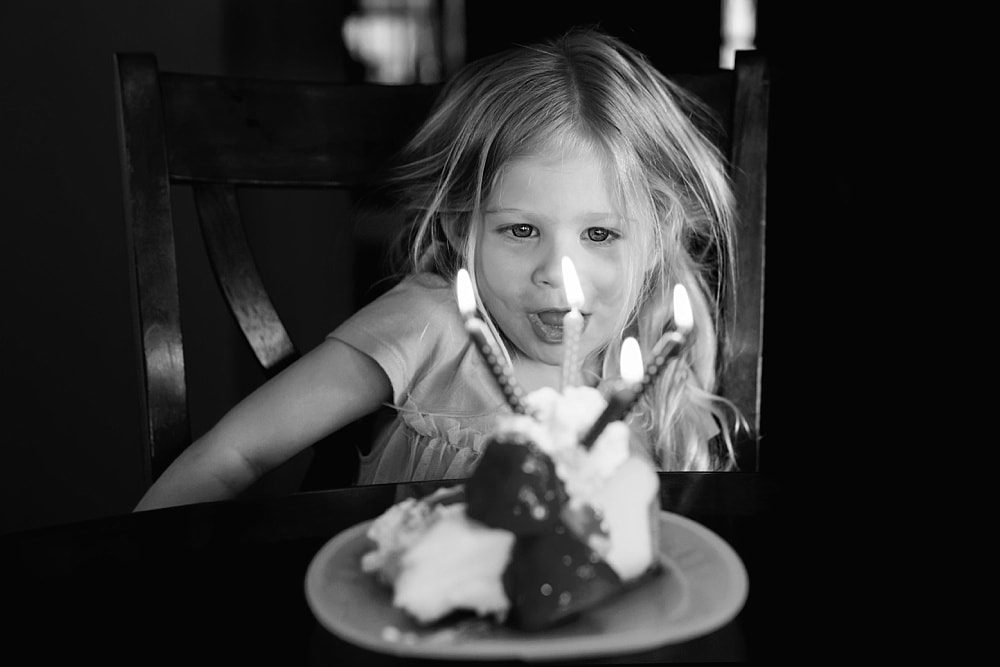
{"x": 225, "y": 581}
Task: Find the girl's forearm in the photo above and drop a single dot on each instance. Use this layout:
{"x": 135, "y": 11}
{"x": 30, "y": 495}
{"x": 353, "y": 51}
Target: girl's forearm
{"x": 200, "y": 474}
{"x": 329, "y": 387}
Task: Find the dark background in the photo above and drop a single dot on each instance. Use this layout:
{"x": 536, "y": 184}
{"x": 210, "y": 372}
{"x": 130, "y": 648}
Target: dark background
{"x": 70, "y": 429}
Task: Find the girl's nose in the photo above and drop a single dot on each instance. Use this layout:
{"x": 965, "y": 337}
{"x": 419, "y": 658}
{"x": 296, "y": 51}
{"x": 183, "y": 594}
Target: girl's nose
{"x": 548, "y": 270}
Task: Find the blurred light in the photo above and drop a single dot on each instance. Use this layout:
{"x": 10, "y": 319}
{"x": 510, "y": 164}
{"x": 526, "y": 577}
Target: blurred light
{"x": 404, "y": 41}
{"x": 571, "y": 283}
{"x": 683, "y": 317}
{"x": 630, "y": 362}
{"x": 466, "y": 295}
{"x": 739, "y": 27}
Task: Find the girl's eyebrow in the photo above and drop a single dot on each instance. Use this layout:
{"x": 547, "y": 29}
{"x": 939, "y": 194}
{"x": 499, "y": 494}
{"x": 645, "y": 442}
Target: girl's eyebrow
{"x": 506, "y": 209}
{"x": 589, "y": 216}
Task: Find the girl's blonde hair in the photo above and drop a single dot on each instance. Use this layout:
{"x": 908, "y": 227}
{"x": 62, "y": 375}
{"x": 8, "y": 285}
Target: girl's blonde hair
{"x": 588, "y": 89}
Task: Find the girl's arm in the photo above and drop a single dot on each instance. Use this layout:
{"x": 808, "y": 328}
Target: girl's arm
{"x": 328, "y": 388}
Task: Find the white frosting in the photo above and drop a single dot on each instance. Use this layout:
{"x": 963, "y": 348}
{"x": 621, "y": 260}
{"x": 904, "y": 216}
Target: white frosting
{"x": 624, "y": 503}
{"x": 395, "y": 531}
{"x": 458, "y": 564}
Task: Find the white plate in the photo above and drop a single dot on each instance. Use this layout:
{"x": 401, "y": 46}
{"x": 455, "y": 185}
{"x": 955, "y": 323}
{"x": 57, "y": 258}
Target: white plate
{"x": 703, "y": 586}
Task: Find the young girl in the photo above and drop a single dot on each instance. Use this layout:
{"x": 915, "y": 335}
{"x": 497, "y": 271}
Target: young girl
{"x": 577, "y": 148}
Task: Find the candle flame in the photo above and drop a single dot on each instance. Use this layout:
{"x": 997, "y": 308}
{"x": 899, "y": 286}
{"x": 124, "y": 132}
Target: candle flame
{"x": 683, "y": 317}
{"x": 466, "y": 295}
{"x": 571, "y": 283}
{"x": 631, "y": 361}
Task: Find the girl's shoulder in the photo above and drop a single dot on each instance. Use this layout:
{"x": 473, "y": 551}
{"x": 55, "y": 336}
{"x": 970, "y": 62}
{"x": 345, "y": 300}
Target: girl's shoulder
{"x": 419, "y": 313}
{"x": 423, "y": 289}
{"x": 411, "y": 331}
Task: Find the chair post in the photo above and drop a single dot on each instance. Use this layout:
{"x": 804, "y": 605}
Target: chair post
{"x": 749, "y": 162}
{"x": 152, "y": 260}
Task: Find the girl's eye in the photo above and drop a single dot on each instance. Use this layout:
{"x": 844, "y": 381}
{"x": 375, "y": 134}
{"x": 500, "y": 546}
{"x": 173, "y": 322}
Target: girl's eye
{"x": 601, "y": 234}
{"x": 522, "y": 231}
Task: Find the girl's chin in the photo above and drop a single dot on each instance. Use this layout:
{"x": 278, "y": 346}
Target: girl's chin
{"x": 550, "y": 355}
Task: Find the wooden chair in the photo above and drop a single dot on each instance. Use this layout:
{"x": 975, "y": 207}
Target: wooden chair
{"x": 218, "y": 134}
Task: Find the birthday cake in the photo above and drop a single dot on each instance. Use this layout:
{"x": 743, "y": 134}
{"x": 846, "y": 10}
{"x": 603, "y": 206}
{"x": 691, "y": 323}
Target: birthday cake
{"x": 545, "y": 528}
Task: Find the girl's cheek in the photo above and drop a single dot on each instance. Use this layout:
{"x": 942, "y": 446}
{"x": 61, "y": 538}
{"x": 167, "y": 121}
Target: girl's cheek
{"x": 610, "y": 282}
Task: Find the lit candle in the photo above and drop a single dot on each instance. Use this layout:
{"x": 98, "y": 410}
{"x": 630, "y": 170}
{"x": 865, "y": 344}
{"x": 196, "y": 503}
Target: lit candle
{"x": 482, "y": 339}
{"x": 670, "y": 345}
{"x": 623, "y": 397}
{"x": 572, "y": 325}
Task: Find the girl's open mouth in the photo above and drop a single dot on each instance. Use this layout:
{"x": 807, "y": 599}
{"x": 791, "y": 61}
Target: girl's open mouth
{"x": 548, "y": 325}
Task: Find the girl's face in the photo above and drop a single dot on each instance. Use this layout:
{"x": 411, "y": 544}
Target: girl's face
{"x": 542, "y": 209}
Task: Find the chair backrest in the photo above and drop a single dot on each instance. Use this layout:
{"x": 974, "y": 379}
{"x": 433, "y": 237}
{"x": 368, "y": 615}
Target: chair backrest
{"x": 217, "y": 134}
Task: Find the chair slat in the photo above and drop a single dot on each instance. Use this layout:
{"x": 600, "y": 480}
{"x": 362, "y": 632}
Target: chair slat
{"x": 256, "y": 132}
{"x": 231, "y": 259}
{"x": 153, "y": 275}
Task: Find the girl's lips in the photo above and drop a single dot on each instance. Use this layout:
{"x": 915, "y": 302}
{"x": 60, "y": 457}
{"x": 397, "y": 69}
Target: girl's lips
{"x": 547, "y": 333}
{"x": 547, "y": 325}
{"x": 553, "y": 317}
